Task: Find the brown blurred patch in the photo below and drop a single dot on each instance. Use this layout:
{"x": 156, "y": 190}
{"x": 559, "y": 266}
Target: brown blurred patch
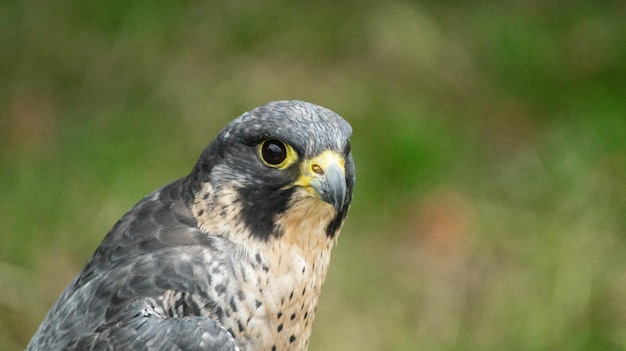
{"x": 441, "y": 224}
{"x": 436, "y": 269}
{"x": 30, "y": 123}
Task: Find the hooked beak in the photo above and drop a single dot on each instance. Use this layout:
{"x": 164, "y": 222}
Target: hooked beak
{"x": 324, "y": 177}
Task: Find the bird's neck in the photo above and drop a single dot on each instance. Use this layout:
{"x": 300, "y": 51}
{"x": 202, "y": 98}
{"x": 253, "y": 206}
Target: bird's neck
{"x": 293, "y": 269}
{"x": 282, "y": 276}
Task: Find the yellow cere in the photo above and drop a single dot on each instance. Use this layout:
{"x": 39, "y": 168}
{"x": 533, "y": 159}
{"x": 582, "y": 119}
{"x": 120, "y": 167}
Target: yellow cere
{"x": 314, "y": 167}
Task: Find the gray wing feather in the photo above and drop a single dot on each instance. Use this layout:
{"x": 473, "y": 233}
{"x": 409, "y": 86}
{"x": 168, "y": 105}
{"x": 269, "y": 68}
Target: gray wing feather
{"x": 146, "y": 333}
{"x": 147, "y": 287}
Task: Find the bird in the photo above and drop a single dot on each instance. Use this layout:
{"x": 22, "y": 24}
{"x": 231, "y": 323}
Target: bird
{"x": 231, "y": 257}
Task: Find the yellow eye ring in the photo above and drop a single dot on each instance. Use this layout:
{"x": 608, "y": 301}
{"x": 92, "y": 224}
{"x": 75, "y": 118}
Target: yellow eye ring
{"x": 277, "y": 154}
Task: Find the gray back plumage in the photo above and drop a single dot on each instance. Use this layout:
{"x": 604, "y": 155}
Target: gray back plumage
{"x": 154, "y": 248}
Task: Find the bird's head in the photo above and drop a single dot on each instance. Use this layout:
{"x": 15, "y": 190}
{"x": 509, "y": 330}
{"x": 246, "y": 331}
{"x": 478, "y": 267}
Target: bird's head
{"x": 281, "y": 163}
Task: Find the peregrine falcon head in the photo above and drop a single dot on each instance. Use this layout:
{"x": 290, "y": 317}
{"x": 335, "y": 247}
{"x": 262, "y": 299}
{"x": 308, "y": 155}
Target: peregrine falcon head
{"x": 277, "y": 158}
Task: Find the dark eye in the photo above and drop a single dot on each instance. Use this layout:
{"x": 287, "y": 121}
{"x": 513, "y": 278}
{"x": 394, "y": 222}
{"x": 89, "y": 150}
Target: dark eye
{"x": 273, "y": 151}
{"x": 346, "y": 150}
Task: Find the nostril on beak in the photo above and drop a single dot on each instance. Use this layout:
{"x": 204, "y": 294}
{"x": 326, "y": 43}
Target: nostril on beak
{"x": 317, "y": 169}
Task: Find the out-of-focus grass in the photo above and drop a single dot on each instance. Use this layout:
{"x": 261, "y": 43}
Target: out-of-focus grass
{"x": 490, "y": 143}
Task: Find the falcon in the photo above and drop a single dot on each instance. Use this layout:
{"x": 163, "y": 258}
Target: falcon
{"x": 231, "y": 257}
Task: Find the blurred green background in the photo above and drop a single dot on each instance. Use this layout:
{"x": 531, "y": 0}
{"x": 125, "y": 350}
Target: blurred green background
{"x": 490, "y": 142}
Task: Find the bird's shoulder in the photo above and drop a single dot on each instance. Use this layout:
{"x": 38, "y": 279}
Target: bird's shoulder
{"x": 153, "y": 265}
{"x": 159, "y": 225}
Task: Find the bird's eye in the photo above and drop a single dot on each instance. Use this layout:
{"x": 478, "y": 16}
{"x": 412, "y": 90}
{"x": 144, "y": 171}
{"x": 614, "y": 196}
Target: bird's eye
{"x": 277, "y": 154}
{"x": 274, "y": 152}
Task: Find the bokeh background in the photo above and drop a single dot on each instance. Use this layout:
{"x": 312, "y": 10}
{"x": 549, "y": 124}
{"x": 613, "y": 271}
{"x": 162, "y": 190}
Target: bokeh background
{"x": 489, "y": 137}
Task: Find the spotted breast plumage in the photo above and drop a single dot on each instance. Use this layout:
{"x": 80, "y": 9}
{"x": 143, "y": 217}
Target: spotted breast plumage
{"x": 231, "y": 257}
